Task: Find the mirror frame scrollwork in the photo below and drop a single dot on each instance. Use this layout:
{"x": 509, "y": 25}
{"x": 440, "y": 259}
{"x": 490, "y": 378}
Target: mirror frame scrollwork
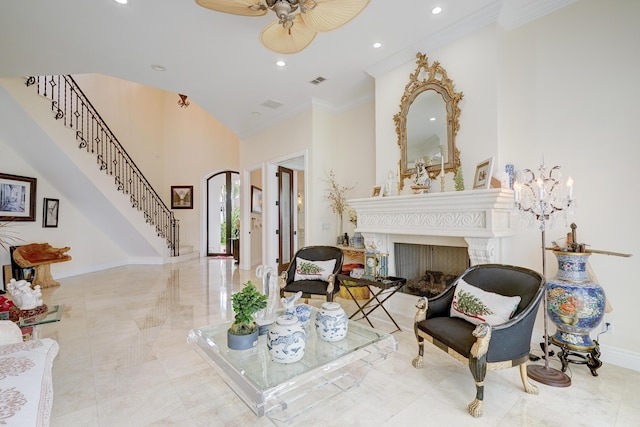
{"x": 429, "y": 77}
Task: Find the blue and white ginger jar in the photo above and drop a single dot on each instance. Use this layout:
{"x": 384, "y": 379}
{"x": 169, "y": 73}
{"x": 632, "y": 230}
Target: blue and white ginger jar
{"x": 331, "y": 322}
{"x": 286, "y": 339}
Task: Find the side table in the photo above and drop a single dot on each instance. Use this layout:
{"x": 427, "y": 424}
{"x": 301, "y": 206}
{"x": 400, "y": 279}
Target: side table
{"x": 390, "y": 285}
{"x": 30, "y": 325}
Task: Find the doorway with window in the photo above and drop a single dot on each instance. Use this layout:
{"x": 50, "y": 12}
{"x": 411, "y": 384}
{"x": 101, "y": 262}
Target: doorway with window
{"x": 223, "y": 214}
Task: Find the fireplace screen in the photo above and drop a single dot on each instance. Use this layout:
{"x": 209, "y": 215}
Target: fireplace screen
{"x": 429, "y": 269}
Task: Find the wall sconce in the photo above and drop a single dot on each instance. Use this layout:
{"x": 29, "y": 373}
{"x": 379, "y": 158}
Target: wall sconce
{"x": 182, "y": 102}
{"x": 299, "y": 202}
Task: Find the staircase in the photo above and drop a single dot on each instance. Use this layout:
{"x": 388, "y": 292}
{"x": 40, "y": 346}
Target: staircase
{"x": 70, "y": 107}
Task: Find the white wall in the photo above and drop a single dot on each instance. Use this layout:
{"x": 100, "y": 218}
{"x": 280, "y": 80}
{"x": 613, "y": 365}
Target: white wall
{"x": 564, "y": 85}
{"x": 91, "y": 248}
{"x": 171, "y": 145}
{"x": 338, "y": 140}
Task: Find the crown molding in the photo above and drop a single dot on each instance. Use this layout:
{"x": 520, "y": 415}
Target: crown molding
{"x": 452, "y": 33}
{"x": 516, "y": 13}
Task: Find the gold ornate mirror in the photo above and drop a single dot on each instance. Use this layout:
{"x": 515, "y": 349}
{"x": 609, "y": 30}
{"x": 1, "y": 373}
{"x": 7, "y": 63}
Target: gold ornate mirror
{"x": 427, "y": 123}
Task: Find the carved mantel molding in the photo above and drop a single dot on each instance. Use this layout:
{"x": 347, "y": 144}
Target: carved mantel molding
{"x": 477, "y": 219}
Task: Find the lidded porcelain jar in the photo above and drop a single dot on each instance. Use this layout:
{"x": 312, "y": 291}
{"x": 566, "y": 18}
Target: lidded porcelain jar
{"x": 286, "y": 339}
{"x": 575, "y": 303}
{"x": 331, "y": 322}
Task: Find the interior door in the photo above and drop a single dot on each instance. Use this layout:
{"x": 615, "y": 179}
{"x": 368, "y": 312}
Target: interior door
{"x": 223, "y": 213}
{"x": 286, "y": 230}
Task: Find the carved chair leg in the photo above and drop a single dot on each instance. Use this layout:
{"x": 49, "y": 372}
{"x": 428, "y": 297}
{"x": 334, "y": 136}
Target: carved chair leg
{"x": 422, "y": 305}
{"x": 528, "y": 387}
{"x": 478, "y": 368}
{"x": 418, "y": 361}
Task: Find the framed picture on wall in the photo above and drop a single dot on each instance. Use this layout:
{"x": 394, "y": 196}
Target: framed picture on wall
{"x": 50, "y": 212}
{"x": 256, "y": 200}
{"x": 17, "y": 198}
{"x": 182, "y": 197}
{"x": 376, "y": 191}
{"x": 483, "y": 174}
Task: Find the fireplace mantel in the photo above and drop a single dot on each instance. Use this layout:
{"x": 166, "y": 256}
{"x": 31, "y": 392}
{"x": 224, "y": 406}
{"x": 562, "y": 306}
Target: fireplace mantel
{"x": 478, "y": 219}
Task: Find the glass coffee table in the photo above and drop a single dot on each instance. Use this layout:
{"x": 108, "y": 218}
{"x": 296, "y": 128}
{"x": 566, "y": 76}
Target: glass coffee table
{"x": 284, "y": 391}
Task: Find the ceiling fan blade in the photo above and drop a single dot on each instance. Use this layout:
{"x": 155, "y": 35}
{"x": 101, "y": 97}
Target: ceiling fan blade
{"x": 281, "y": 40}
{"x": 327, "y": 15}
{"x": 235, "y": 7}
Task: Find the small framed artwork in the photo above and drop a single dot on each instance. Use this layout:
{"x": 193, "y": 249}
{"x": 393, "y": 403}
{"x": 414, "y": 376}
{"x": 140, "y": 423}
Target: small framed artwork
{"x": 256, "y": 200}
{"x": 483, "y": 174}
{"x": 50, "y": 212}
{"x": 376, "y": 191}
{"x": 17, "y": 198}
{"x": 182, "y": 197}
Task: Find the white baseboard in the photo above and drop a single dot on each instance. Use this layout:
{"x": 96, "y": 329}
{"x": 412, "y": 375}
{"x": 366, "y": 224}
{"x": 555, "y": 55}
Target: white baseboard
{"x": 609, "y": 354}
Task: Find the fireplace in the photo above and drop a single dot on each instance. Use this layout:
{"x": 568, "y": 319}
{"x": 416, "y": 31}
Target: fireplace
{"x": 477, "y": 220}
{"x": 429, "y": 269}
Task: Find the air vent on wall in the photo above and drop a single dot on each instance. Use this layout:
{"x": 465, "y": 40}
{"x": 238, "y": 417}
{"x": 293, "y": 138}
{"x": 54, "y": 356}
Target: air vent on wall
{"x": 270, "y": 103}
{"x": 317, "y": 80}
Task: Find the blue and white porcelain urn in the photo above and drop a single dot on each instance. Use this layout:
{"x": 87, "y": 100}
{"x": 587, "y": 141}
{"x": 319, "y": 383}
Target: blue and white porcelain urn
{"x": 331, "y": 322}
{"x": 286, "y": 339}
{"x": 575, "y": 303}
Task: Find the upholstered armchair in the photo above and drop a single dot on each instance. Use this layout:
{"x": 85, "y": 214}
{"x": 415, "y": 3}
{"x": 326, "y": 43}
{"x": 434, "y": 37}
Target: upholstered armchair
{"x": 312, "y": 271}
{"x": 458, "y": 322}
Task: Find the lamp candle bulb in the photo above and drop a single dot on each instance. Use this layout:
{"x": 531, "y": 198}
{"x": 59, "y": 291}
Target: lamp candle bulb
{"x": 540, "y": 189}
{"x": 442, "y": 164}
{"x": 570, "y": 188}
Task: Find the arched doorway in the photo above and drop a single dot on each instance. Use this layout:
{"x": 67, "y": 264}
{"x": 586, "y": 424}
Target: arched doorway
{"x": 223, "y": 214}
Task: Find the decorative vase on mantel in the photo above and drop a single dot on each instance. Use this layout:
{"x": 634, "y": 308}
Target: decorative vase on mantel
{"x": 575, "y": 303}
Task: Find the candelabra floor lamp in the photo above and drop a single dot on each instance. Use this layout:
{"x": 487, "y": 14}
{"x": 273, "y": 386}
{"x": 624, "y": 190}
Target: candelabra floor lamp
{"x": 541, "y": 199}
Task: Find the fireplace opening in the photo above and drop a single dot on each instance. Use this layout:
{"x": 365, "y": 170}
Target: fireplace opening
{"x": 429, "y": 269}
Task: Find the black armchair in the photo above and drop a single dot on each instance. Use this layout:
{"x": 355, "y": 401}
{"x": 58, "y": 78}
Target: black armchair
{"x": 311, "y": 286}
{"x": 483, "y": 347}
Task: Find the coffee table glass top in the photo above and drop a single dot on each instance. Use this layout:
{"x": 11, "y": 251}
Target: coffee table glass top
{"x": 53, "y": 314}
{"x": 257, "y": 379}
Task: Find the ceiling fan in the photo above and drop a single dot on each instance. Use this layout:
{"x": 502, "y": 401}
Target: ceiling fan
{"x": 298, "y": 20}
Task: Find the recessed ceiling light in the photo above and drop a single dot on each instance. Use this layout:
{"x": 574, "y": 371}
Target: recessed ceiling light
{"x": 436, "y": 10}
{"x": 121, "y": 1}
{"x": 255, "y": 113}
{"x": 433, "y": 119}
{"x": 281, "y": 63}
{"x": 377, "y": 45}
{"x": 158, "y": 67}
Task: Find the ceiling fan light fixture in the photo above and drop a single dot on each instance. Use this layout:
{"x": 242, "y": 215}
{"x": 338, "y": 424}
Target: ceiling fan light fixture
{"x": 330, "y": 15}
{"x": 287, "y": 40}
{"x": 298, "y": 20}
{"x": 235, "y": 7}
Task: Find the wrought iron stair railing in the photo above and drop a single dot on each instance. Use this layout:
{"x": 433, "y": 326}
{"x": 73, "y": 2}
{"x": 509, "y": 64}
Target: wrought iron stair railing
{"x": 70, "y": 105}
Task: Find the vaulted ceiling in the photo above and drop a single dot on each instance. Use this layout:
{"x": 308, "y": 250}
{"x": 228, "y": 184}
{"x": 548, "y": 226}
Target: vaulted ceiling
{"x": 217, "y": 59}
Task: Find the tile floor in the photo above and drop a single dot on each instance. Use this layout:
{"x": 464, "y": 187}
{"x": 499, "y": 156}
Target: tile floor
{"x": 124, "y": 361}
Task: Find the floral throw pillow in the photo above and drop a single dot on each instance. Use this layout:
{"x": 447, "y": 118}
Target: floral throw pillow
{"x": 314, "y": 270}
{"x": 478, "y": 306}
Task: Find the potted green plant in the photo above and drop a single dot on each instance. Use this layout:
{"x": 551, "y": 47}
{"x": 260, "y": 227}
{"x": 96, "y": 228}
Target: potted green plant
{"x": 243, "y": 333}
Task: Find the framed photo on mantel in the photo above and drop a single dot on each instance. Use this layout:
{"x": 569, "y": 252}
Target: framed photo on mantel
{"x": 483, "y": 174}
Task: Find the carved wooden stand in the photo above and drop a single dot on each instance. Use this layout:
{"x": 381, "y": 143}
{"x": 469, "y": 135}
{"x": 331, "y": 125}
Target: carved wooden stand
{"x": 41, "y": 256}
{"x": 591, "y": 357}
